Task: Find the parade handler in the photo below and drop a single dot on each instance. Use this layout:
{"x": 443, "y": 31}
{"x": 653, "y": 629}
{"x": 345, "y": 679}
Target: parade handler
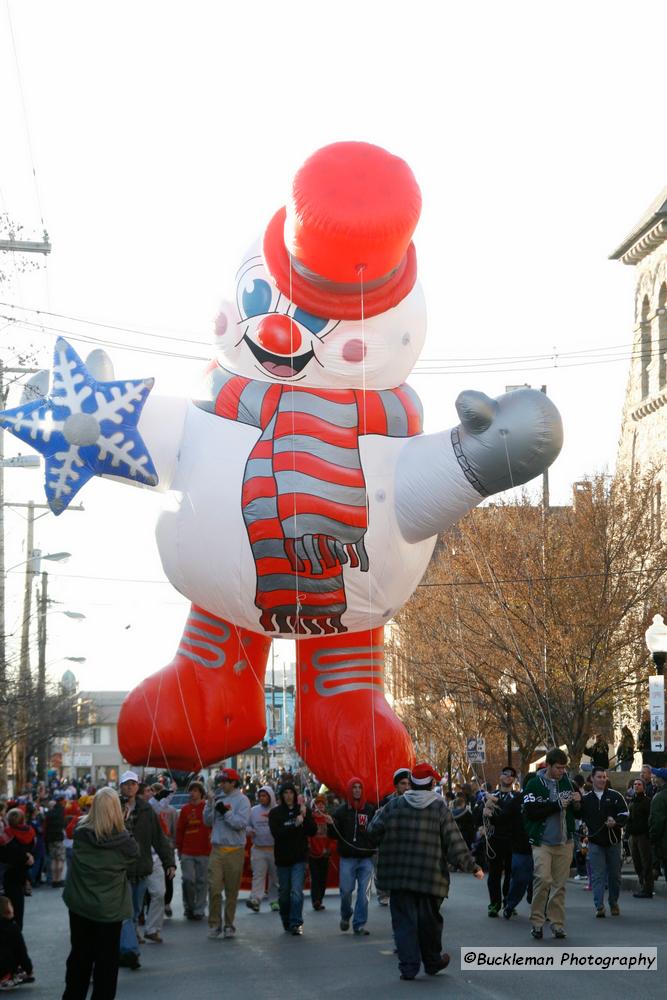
{"x": 417, "y": 838}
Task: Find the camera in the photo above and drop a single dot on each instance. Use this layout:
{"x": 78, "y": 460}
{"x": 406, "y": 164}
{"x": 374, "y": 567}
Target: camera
{"x": 220, "y": 807}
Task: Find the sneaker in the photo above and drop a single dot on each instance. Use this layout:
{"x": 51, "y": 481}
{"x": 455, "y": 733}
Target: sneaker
{"x": 24, "y": 977}
{"x": 537, "y": 933}
{"x": 643, "y": 895}
{"x": 168, "y": 912}
{"x": 614, "y": 909}
{"x": 129, "y": 960}
{"x": 508, "y": 914}
{"x": 362, "y": 932}
{"x": 588, "y": 888}
{"x": 442, "y": 964}
{"x": 275, "y": 907}
{"x": 253, "y": 904}
{"x": 559, "y": 932}
{"x": 215, "y": 933}
{"x": 403, "y": 976}
{"x": 229, "y": 932}
{"x": 580, "y": 878}
{"x": 493, "y": 910}
{"x": 600, "y": 912}
{"x": 297, "y": 931}
{"x": 319, "y": 906}
{"x": 155, "y": 937}
{"x": 344, "y": 925}
{"x": 197, "y": 916}
{"x": 7, "y": 983}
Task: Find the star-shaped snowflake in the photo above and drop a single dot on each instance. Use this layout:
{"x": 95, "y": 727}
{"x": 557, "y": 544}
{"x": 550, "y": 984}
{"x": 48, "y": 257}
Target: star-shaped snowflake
{"x": 84, "y": 428}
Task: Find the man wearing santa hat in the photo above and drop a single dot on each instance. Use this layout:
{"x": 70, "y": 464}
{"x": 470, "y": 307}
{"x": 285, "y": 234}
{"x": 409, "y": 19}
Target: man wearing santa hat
{"x": 417, "y": 838}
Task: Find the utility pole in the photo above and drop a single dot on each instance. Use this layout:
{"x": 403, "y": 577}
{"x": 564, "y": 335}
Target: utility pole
{"x": 545, "y": 474}
{"x": 42, "y": 746}
{"x": 25, "y": 678}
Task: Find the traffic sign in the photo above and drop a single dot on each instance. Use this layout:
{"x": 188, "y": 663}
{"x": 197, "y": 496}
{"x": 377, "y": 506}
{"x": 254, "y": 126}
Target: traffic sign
{"x": 476, "y": 749}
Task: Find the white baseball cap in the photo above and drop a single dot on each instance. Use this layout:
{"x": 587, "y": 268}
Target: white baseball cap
{"x": 128, "y": 776}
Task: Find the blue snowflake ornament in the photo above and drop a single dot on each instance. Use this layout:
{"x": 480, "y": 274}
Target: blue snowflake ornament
{"x": 84, "y": 428}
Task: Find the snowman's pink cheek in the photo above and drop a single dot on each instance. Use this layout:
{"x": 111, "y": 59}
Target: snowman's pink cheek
{"x": 221, "y": 325}
{"x": 354, "y": 350}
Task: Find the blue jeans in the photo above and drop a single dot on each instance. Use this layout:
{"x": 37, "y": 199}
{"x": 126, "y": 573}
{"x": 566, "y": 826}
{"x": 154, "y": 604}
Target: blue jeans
{"x": 351, "y": 870}
{"x": 128, "y": 932}
{"x": 290, "y": 894}
{"x": 605, "y": 871}
{"x": 522, "y": 876}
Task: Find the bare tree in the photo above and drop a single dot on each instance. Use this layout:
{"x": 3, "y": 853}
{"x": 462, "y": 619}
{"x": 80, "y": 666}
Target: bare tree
{"x": 531, "y": 620}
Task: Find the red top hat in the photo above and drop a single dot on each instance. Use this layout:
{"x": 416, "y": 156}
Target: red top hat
{"x": 347, "y": 228}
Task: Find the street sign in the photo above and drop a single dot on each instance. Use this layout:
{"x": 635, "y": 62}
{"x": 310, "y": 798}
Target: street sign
{"x": 656, "y": 704}
{"x": 476, "y": 750}
{"x": 21, "y": 462}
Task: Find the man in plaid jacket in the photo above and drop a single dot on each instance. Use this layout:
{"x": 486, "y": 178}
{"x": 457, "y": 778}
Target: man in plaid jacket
{"x": 417, "y": 837}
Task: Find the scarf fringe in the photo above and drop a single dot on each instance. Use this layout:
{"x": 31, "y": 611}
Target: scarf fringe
{"x": 302, "y": 624}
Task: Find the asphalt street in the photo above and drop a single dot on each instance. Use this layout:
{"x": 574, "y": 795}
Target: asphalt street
{"x": 263, "y": 962}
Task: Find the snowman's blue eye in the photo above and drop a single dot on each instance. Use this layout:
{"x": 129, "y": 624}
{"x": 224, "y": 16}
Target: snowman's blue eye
{"x": 313, "y": 323}
{"x": 257, "y": 299}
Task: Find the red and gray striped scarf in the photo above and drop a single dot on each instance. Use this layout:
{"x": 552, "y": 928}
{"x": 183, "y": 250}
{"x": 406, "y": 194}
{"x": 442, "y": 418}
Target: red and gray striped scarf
{"x": 304, "y": 493}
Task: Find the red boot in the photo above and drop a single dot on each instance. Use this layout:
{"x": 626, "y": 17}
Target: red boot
{"x": 206, "y": 705}
{"x": 343, "y": 725}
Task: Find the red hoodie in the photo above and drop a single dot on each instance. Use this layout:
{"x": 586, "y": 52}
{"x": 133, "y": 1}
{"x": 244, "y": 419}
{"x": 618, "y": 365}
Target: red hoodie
{"x": 193, "y": 837}
{"x": 23, "y": 834}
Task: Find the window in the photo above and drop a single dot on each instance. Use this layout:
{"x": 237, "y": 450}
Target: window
{"x": 645, "y": 346}
{"x": 662, "y": 337}
{"x": 657, "y": 513}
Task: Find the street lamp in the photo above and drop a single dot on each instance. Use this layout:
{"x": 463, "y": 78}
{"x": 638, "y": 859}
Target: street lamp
{"x": 508, "y": 687}
{"x": 656, "y": 640}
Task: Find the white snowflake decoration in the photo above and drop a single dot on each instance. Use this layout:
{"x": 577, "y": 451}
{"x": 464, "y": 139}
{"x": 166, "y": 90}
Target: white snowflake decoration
{"x": 84, "y": 428}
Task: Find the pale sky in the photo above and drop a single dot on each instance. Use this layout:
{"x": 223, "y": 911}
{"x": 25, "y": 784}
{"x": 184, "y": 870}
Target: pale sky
{"x": 164, "y": 136}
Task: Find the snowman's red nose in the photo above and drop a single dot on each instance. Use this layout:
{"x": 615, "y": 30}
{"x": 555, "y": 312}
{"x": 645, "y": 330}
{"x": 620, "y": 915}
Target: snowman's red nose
{"x": 279, "y": 334}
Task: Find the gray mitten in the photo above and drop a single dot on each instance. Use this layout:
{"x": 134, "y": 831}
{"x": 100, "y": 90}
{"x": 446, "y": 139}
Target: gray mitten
{"x": 504, "y": 442}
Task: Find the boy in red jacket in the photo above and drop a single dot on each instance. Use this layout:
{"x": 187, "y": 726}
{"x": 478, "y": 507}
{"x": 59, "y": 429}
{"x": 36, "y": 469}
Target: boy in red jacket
{"x": 193, "y": 842}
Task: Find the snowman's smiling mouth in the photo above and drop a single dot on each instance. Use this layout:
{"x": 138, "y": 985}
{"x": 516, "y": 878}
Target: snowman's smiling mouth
{"x": 278, "y": 365}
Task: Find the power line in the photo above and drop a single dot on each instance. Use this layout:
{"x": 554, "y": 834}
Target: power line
{"x": 106, "y": 326}
{"x": 425, "y": 365}
{"x": 109, "y": 579}
{"x": 547, "y": 579}
{"x": 444, "y": 368}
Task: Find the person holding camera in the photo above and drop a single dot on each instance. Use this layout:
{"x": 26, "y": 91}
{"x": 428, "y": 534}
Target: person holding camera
{"x": 227, "y": 812}
{"x": 494, "y": 813}
{"x": 549, "y": 803}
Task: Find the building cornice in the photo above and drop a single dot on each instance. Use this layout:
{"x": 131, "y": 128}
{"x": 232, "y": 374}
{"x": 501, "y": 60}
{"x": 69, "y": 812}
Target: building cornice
{"x": 645, "y": 245}
{"x": 650, "y": 406}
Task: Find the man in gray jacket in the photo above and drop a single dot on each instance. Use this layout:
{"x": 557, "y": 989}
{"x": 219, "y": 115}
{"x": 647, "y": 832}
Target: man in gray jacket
{"x": 228, "y": 813}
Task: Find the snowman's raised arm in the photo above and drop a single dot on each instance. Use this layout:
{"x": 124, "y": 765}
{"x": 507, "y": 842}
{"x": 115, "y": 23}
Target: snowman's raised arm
{"x": 500, "y": 443}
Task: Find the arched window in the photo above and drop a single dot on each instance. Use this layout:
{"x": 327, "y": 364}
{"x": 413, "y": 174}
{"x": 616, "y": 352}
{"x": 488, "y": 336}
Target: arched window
{"x": 645, "y": 348}
{"x": 662, "y": 337}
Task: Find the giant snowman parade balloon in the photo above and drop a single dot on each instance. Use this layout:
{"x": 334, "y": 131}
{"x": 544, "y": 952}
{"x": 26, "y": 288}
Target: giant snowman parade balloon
{"x": 302, "y": 498}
